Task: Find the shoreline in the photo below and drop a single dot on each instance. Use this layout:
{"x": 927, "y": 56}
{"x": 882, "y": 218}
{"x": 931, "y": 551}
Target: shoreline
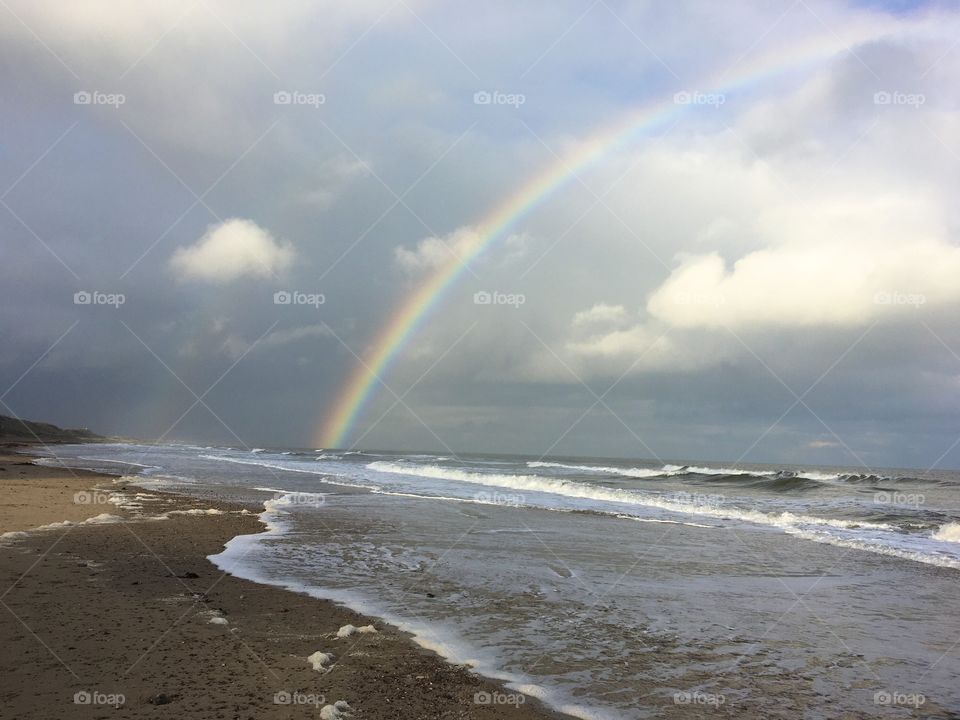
{"x": 120, "y": 604}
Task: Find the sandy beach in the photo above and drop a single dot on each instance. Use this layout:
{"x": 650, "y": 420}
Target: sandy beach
{"x": 124, "y": 616}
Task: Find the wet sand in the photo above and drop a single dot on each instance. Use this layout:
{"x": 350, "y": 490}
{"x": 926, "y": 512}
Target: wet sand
{"x": 114, "y": 620}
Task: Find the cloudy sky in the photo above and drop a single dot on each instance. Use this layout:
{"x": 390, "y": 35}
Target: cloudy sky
{"x": 760, "y": 262}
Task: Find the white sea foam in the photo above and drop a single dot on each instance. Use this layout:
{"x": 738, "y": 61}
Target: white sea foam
{"x": 259, "y": 463}
{"x": 627, "y": 472}
{"x": 665, "y": 471}
{"x": 118, "y": 462}
{"x": 295, "y": 468}
{"x": 701, "y": 470}
{"x": 816, "y": 475}
{"x": 874, "y": 547}
{"x": 948, "y": 533}
{"x": 571, "y": 489}
{"x": 196, "y": 511}
{"x": 665, "y": 522}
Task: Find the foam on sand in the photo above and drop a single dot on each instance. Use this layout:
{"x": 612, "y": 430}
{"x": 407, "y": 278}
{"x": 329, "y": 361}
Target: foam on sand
{"x": 319, "y": 660}
{"x": 339, "y": 709}
{"x": 348, "y": 630}
{"x": 101, "y": 519}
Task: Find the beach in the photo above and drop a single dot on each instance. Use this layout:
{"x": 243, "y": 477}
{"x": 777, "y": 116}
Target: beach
{"x": 111, "y": 618}
{"x": 206, "y": 582}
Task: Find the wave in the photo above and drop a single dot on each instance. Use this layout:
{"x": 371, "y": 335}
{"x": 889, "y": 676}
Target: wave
{"x": 845, "y": 477}
{"x": 790, "y": 482}
{"x": 118, "y": 462}
{"x": 815, "y": 475}
{"x": 875, "y": 547}
{"x": 626, "y": 472}
{"x": 948, "y": 533}
{"x": 582, "y": 491}
{"x": 875, "y": 537}
{"x": 699, "y": 470}
{"x": 260, "y": 463}
{"x": 676, "y": 470}
{"x": 665, "y": 471}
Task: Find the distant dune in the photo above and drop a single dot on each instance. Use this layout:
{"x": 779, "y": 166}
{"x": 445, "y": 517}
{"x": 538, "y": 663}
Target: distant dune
{"x": 15, "y": 431}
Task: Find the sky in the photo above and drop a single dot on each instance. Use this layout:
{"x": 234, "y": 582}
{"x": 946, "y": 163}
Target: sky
{"x": 210, "y": 211}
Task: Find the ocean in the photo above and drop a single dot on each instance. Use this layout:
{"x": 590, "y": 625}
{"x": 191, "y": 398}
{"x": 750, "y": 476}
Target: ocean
{"x": 614, "y": 588}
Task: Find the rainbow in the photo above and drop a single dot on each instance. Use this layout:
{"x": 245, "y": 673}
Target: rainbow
{"x": 415, "y": 308}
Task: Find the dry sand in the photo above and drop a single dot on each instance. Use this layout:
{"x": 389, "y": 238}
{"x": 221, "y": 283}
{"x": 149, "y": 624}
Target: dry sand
{"x": 31, "y": 496}
{"x": 123, "y": 610}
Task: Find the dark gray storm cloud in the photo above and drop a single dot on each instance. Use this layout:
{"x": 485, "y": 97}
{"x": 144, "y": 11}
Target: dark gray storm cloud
{"x": 767, "y": 272}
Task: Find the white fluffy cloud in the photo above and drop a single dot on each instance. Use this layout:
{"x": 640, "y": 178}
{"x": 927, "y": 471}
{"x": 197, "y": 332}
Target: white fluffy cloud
{"x": 434, "y": 252}
{"x": 233, "y": 249}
